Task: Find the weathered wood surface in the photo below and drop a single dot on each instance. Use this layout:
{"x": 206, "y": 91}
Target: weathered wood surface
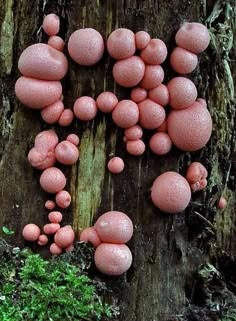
{"x": 167, "y": 249}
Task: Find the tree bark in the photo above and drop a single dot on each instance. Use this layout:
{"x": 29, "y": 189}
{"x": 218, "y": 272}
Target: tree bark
{"x": 167, "y": 249}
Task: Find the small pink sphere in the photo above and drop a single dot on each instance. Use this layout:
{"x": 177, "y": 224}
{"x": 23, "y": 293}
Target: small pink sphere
{"x": 183, "y": 61}
{"x": 56, "y": 42}
{"x": 195, "y": 172}
{"x": 114, "y": 227}
{"x": 31, "y": 232}
{"x": 136, "y": 147}
{"x": 138, "y": 94}
{"x": 125, "y": 114}
{"x": 70, "y": 248}
{"x": 41, "y": 159}
{"x": 66, "y": 153}
{"x": 222, "y": 203}
{"x": 198, "y": 186}
{"x": 36, "y": 93}
{"x": 85, "y": 108}
{"x": 73, "y": 139}
{"x": 55, "y": 217}
{"x": 154, "y": 53}
{"x": 90, "y": 235}
{"x": 182, "y": 91}
{"x": 202, "y": 102}
{"x": 41, "y": 61}
{"x": 129, "y": 72}
{"x": 46, "y": 140}
{"x": 52, "y": 113}
{"x": 52, "y": 180}
{"x": 66, "y": 117}
{"x": 43, "y": 240}
{"x": 86, "y": 46}
{"x": 51, "y": 228}
{"x": 153, "y": 77}
{"x": 163, "y": 128}
{"x": 50, "y": 205}
{"x": 142, "y": 39}
{"x": 63, "y": 199}
{"x": 113, "y": 259}
{"x": 151, "y": 115}
{"x": 116, "y": 165}
{"x": 190, "y": 128}
{"x": 55, "y": 249}
{"x": 171, "y": 192}
{"x": 160, "y": 95}
{"x": 193, "y": 36}
{"x": 106, "y": 102}
{"x": 160, "y": 143}
{"x": 51, "y": 24}
{"x": 121, "y": 44}
{"x": 134, "y": 133}
{"x": 64, "y": 237}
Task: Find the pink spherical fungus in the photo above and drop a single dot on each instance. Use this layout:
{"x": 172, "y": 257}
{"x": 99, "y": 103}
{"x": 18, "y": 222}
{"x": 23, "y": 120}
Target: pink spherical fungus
{"x": 160, "y": 143}
{"x": 182, "y": 92}
{"x": 160, "y": 95}
{"x": 70, "y": 248}
{"x": 50, "y": 205}
{"x": 63, "y": 199}
{"x": 113, "y": 259}
{"x": 142, "y": 39}
{"x": 46, "y": 140}
{"x": 121, "y": 44}
{"x": 138, "y": 94}
{"x": 125, "y": 114}
{"x": 64, "y": 237}
{"x": 31, "y": 232}
{"x": 90, "y": 235}
{"x": 51, "y": 228}
{"x": 51, "y": 24}
{"x": 86, "y": 46}
{"x": 85, "y": 108}
{"x": 196, "y": 176}
{"x": 36, "y": 93}
{"x": 56, "y": 42}
{"x": 171, "y": 192}
{"x": 134, "y": 133}
{"x": 55, "y": 249}
{"x": 66, "y": 117}
{"x": 153, "y": 77}
{"x": 106, "y": 102}
{"x": 41, "y": 159}
{"x": 154, "y": 53}
{"x": 66, "y": 153}
{"x": 222, "y": 203}
{"x": 114, "y": 227}
{"x": 43, "y": 240}
{"x": 52, "y": 180}
{"x": 190, "y": 129}
{"x": 163, "y": 128}
{"x": 52, "y": 113}
{"x": 193, "y": 36}
{"x": 55, "y": 217}
{"x": 151, "y": 115}
{"x": 183, "y": 61}
{"x": 116, "y": 165}
{"x": 43, "y": 62}
{"x": 129, "y": 72}
{"x": 73, "y": 139}
{"x": 135, "y": 148}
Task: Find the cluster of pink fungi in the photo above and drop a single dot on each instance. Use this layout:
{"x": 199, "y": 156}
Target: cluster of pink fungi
{"x": 187, "y": 124}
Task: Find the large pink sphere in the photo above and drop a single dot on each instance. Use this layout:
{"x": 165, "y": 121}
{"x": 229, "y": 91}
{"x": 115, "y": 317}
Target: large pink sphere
{"x": 182, "y": 92}
{"x": 52, "y": 113}
{"x": 31, "y": 232}
{"x": 46, "y": 140}
{"x": 66, "y": 153}
{"x": 86, "y": 46}
{"x": 106, "y": 101}
{"x": 41, "y": 159}
{"x": 129, "y": 72}
{"x": 114, "y": 227}
{"x": 151, "y": 115}
{"x": 64, "y": 237}
{"x": 52, "y": 180}
{"x": 160, "y": 95}
{"x": 171, "y": 192}
{"x": 183, "y": 61}
{"x": 154, "y": 53}
{"x": 41, "y": 61}
{"x": 126, "y": 114}
{"x": 90, "y": 235}
{"x": 85, "y": 108}
{"x": 51, "y": 24}
{"x": 121, "y": 44}
{"x": 160, "y": 143}
{"x": 36, "y": 93}
{"x": 153, "y": 77}
{"x": 193, "y": 36}
{"x": 190, "y": 128}
{"x": 142, "y": 39}
{"x": 113, "y": 259}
